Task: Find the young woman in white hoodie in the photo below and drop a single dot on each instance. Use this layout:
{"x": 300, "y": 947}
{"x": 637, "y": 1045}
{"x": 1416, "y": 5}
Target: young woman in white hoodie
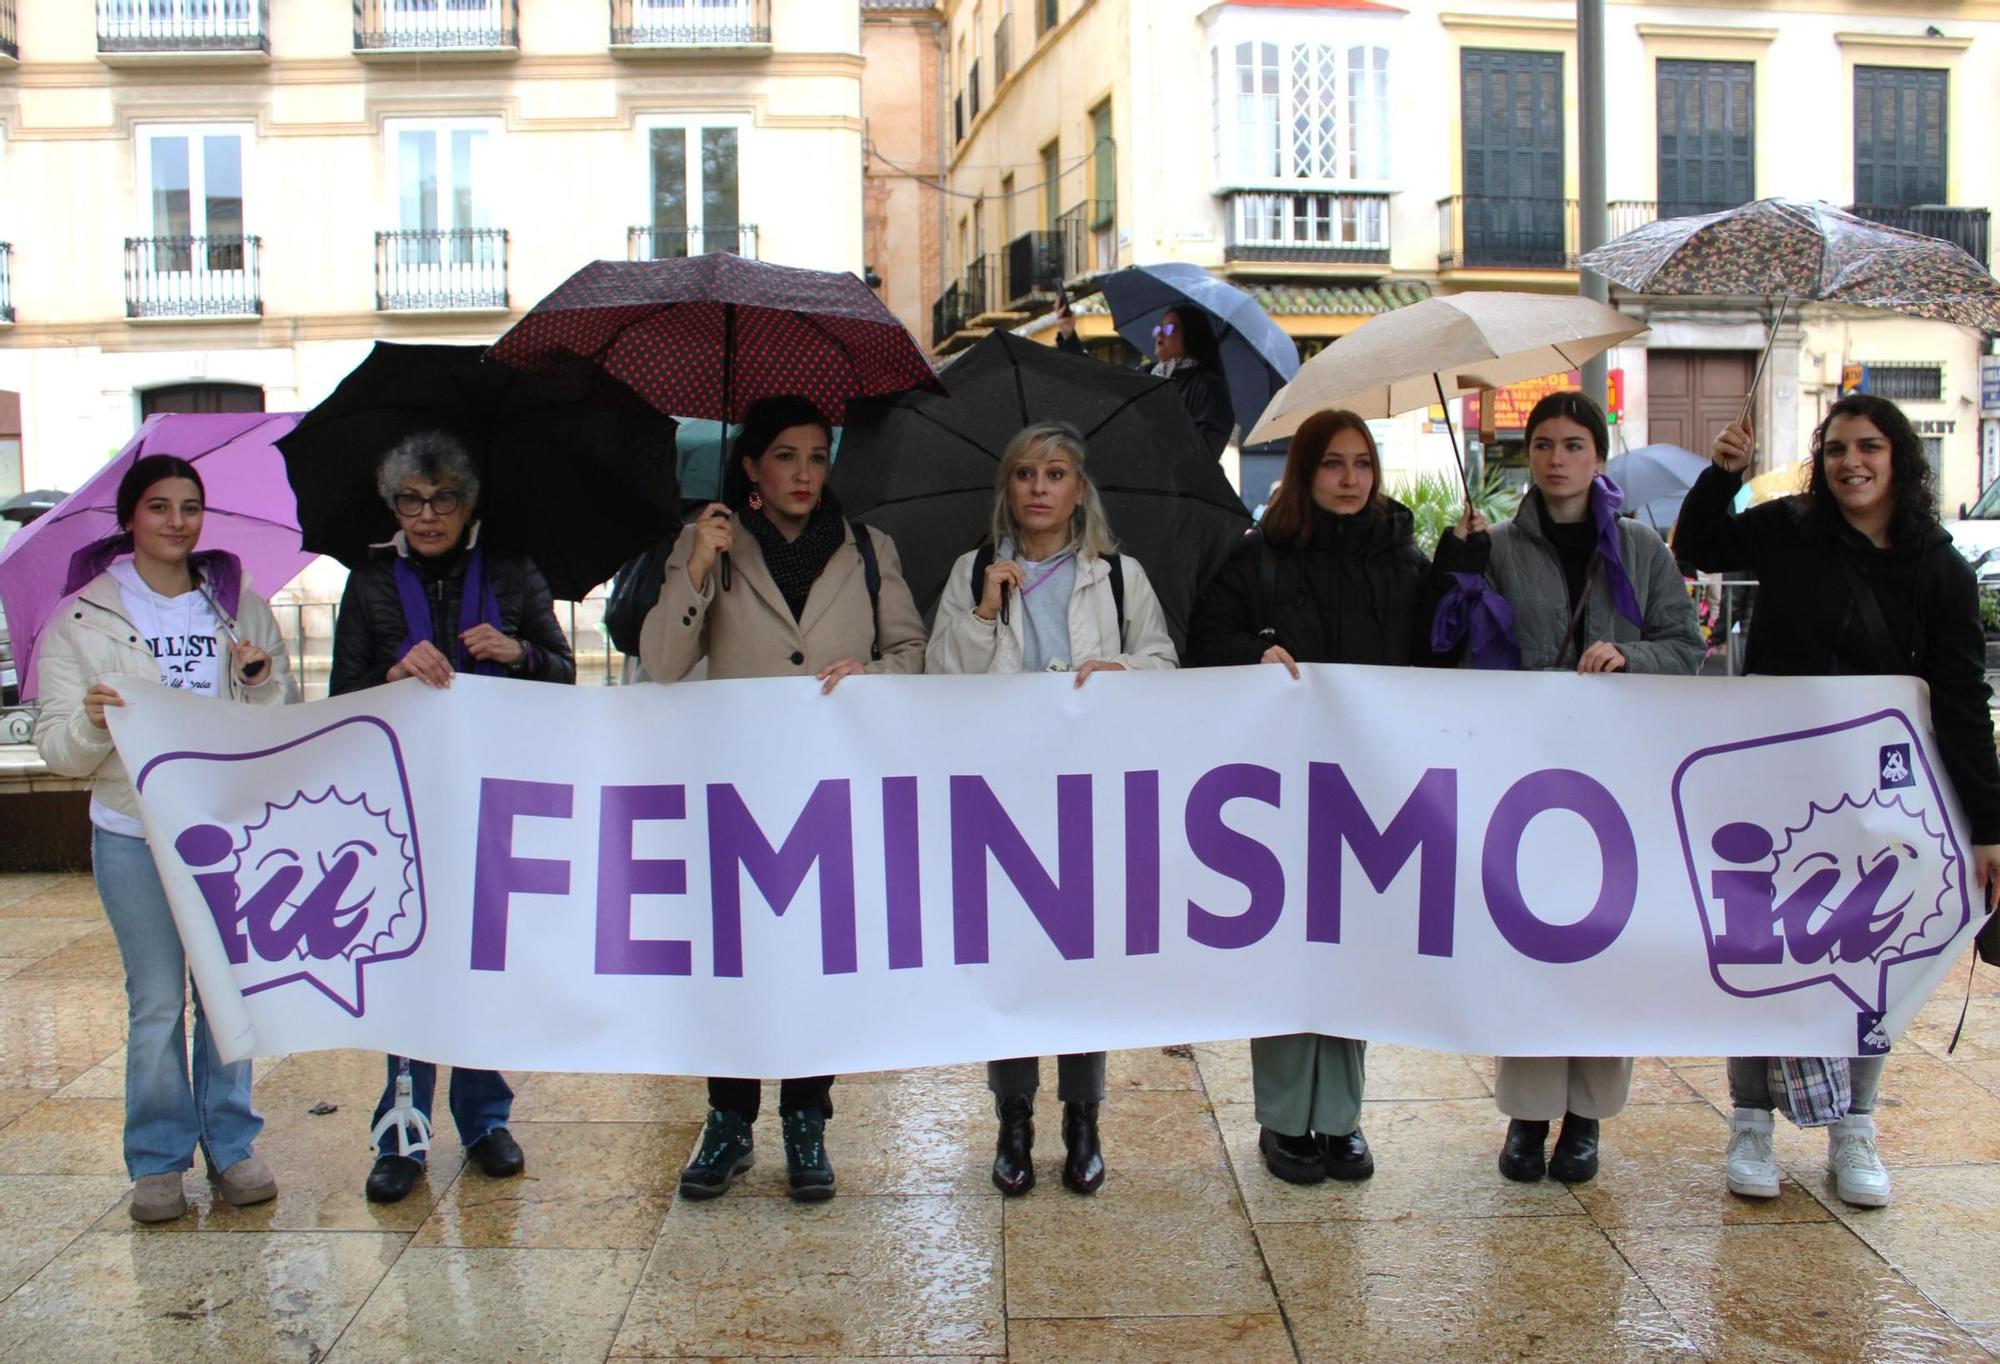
{"x": 1049, "y": 593}
{"x": 189, "y": 621}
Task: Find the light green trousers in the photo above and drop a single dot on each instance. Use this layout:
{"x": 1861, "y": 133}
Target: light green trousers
{"x": 1308, "y": 1083}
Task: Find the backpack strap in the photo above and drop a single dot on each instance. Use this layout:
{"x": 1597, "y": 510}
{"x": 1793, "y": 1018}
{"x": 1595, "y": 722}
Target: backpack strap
{"x": 1117, "y": 566}
{"x": 981, "y": 561}
{"x": 871, "y": 572}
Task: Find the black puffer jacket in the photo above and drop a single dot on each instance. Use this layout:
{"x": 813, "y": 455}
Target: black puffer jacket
{"x": 1359, "y": 591}
{"x": 368, "y": 636}
{"x": 1805, "y": 623}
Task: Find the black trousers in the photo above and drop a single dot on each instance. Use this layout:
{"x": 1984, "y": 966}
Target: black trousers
{"x": 743, "y": 1097}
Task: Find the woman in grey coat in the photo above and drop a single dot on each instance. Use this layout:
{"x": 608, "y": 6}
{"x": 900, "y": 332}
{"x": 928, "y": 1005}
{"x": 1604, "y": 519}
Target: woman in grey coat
{"x": 1596, "y": 593}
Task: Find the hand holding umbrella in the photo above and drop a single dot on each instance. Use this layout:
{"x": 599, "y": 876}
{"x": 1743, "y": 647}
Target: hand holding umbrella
{"x": 714, "y": 536}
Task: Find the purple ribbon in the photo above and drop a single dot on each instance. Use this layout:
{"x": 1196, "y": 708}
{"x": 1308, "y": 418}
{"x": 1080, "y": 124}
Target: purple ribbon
{"x": 1605, "y": 498}
{"x": 1474, "y": 612}
{"x": 476, "y": 605}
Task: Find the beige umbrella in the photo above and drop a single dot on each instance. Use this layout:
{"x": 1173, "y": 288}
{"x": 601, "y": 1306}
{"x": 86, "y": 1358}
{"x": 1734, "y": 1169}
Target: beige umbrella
{"x": 1444, "y": 346}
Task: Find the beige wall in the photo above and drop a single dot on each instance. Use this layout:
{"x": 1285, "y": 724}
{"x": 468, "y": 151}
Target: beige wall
{"x": 903, "y": 112}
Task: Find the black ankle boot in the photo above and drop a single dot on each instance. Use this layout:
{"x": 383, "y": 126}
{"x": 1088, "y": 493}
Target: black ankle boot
{"x": 1347, "y": 1157}
{"x": 1296, "y": 1160}
{"x": 727, "y": 1150}
{"x": 1013, "y": 1158}
{"x": 1083, "y": 1167}
{"x": 1575, "y": 1158}
{"x": 811, "y": 1173}
{"x": 1522, "y": 1158}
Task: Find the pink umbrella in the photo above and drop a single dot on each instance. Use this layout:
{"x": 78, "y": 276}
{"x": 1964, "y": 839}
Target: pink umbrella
{"x": 251, "y": 513}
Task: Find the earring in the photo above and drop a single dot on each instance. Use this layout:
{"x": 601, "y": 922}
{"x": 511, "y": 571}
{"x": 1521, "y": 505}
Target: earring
{"x": 756, "y": 499}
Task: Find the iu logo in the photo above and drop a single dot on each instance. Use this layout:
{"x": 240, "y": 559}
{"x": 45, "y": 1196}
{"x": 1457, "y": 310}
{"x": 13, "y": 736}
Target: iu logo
{"x": 1822, "y": 858}
{"x": 309, "y": 882}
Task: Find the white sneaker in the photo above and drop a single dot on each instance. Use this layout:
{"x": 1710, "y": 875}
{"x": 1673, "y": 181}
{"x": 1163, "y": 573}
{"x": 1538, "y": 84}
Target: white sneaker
{"x": 1751, "y": 1168}
{"x": 1858, "y": 1176}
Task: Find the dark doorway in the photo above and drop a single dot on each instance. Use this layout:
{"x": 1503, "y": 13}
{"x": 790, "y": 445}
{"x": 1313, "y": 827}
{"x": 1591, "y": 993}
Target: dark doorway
{"x": 202, "y": 398}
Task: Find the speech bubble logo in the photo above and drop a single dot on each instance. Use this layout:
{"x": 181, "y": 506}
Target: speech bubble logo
{"x": 1821, "y": 857}
{"x": 306, "y": 882}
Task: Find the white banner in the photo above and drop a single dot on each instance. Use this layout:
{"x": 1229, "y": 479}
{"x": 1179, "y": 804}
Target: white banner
{"x": 749, "y": 878}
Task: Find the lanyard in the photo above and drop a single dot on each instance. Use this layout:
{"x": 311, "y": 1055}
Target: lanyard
{"x": 1048, "y": 571}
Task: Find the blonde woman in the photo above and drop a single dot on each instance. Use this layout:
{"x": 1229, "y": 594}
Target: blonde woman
{"x": 1048, "y": 593}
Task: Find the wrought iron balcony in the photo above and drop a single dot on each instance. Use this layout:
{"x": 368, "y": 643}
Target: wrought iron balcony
{"x": 947, "y": 316}
{"x": 406, "y": 27}
{"x": 985, "y": 279}
{"x": 170, "y": 27}
{"x": 670, "y": 243}
{"x": 1034, "y": 265}
{"x": 668, "y": 26}
{"x": 1506, "y": 232}
{"x": 452, "y": 271}
{"x": 10, "y": 34}
{"x": 6, "y": 282}
{"x": 1628, "y": 215}
{"x": 193, "y": 277}
{"x": 1967, "y": 228}
{"x": 1337, "y": 227}
{"x": 1089, "y": 234}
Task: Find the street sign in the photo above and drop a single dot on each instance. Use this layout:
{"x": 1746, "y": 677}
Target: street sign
{"x": 1512, "y": 404}
{"x": 1989, "y": 385}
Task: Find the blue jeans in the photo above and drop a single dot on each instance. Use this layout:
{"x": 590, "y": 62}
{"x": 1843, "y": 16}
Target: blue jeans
{"x": 166, "y": 1117}
{"x": 480, "y": 1101}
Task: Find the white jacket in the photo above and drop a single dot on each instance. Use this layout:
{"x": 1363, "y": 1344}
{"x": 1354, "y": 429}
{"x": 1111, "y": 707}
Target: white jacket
{"x": 963, "y": 643}
{"x": 89, "y": 639}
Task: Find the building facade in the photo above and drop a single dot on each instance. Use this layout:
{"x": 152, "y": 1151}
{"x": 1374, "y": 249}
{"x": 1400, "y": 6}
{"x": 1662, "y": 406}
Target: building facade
{"x": 220, "y": 204}
{"x": 1339, "y": 157}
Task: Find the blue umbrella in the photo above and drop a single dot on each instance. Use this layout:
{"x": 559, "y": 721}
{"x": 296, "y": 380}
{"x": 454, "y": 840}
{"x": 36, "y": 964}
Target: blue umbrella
{"x": 1654, "y": 479}
{"x": 1258, "y": 358}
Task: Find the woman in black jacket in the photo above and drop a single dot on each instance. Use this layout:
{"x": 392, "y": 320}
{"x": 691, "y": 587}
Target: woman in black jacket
{"x": 432, "y": 603}
{"x": 1867, "y": 524}
{"x": 1332, "y": 575}
{"x": 1187, "y": 355}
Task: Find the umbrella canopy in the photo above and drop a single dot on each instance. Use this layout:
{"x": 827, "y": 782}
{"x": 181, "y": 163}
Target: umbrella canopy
{"x": 577, "y": 486}
{"x": 922, "y": 467}
{"x": 1258, "y": 357}
{"x": 706, "y": 336}
{"x": 251, "y": 513}
{"x": 1782, "y": 248}
{"x": 25, "y": 507}
{"x": 1423, "y": 353}
{"x": 1784, "y": 481}
{"x": 1655, "y": 479}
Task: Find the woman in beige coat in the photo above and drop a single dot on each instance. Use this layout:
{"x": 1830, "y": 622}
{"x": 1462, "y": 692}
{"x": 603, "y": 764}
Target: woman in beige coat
{"x": 774, "y": 582}
{"x": 158, "y": 611}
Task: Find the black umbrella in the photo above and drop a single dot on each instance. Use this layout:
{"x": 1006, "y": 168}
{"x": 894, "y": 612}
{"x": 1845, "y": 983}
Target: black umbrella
{"x": 578, "y": 486}
{"x": 25, "y": 507}
{"x": 921, "y": 466}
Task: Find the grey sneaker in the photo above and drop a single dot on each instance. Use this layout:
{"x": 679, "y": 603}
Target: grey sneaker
{"x": 158, "y": 1198}
{"x": 247, "y": 1181}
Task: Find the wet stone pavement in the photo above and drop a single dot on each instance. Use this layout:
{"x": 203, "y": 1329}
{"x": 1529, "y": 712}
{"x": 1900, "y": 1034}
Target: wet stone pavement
{"x": 1190, "y": 1252}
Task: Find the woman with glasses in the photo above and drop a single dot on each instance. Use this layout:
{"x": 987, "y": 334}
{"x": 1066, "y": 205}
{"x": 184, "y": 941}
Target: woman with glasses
{"x": 1186, "y": 354}
{"x": 432, "y": 603}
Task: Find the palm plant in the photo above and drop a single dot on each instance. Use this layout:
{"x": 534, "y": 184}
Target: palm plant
{"x": 1436, "y": 501}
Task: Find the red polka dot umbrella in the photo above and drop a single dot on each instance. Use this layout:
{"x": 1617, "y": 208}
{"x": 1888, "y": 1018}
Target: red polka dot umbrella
{"x": 706, "y": 336}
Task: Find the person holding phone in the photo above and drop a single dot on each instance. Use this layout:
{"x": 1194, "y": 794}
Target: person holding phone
{"x": 1855, "y": 576}
{"x": 156, "y": 607}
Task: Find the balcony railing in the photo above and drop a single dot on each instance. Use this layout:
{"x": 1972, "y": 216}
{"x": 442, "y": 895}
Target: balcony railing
{"x": 984, "y": 285}
{"x": 193, "y": 277}
{"x": 408, "y": 26}
{"x": 1506, "y": 232}
{"x": 671, "y": 243}
{"x": 947, "y": 315}
{"x": 459, "y": 270}
{"x": 1336, "y": 227}
{"x": 10, "y": 37}
{"x": 676, "y": 25}
{"x": 1967, "y": 228}
{"x": 1628, "y": 215}
{"x": 6, "y": 281}
{"x": 1003, "y": 49}
{"x": 1089, "y": 234}
{"x": 136, "y": 27}
{"x": 1034, "y": 265}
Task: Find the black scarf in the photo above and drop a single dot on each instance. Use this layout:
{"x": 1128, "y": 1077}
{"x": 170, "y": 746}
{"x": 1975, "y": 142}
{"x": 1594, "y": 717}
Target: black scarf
{"x": 796, "y": 564}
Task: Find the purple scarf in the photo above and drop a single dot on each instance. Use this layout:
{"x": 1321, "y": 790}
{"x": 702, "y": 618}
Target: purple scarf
{"x": 1605, "y": 497}
{"x": 476, "y": 605}
{"x": 1474, "y": 612}
{"x": 218, "y": 568}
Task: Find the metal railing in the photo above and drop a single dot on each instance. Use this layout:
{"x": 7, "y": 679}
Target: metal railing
{"x": 1088, "y": 249}
{"x": 1034, "y": 265}
{"x": 671, "y": 243}
{"x": 1003, "y": 49}
{"x": 133, "y": 26}
{"x": 441, "y": 271}
{"x": 1628, "y": 215}
{"x": 947, "y": 315}
{"x": 690, "y": 23}
{"x": 1327, "y": 226}
{"x": 10, "y": 35}
{"x": 981, "y": 289}
{"x": 193, "y": 277}
{"x": 1508, "y": 232}
{"x": 1966, "y": 228}
{"x": 6, "y": 281}
{"x": 436, "y": 25}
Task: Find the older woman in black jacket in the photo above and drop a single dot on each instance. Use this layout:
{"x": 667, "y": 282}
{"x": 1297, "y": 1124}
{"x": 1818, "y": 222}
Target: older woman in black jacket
{"x": 1332, "y": 575}
{"x": 1854, "y": 576}
{"x": 432, "y": 603}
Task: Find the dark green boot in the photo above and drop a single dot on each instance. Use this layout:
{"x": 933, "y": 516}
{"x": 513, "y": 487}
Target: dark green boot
{"x": 805, "y": 1155}
{"x": 726, "y": 1151}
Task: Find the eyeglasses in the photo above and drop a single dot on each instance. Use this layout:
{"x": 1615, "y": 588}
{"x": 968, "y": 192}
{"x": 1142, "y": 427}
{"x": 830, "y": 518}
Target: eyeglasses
{"x": 1165, "y": 329}
{"x": 443, "y": 502}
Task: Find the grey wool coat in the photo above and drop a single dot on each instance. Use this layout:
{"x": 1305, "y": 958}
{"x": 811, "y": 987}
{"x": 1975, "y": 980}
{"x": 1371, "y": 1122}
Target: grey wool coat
{"x": 1520, "y": 563}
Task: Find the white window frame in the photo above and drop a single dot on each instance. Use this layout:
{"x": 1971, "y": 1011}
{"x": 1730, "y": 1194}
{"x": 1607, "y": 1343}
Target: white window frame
{"x": 485, "y": 202}
{"x": 693, "y": 124}
{"x": 147, "y": 134}
{"x": 1235, "y": 126}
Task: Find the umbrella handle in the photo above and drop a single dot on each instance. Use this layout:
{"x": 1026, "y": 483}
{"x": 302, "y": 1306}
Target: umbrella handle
{"x": 1006, "y": 599}
{"x": 727, "y": 574}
